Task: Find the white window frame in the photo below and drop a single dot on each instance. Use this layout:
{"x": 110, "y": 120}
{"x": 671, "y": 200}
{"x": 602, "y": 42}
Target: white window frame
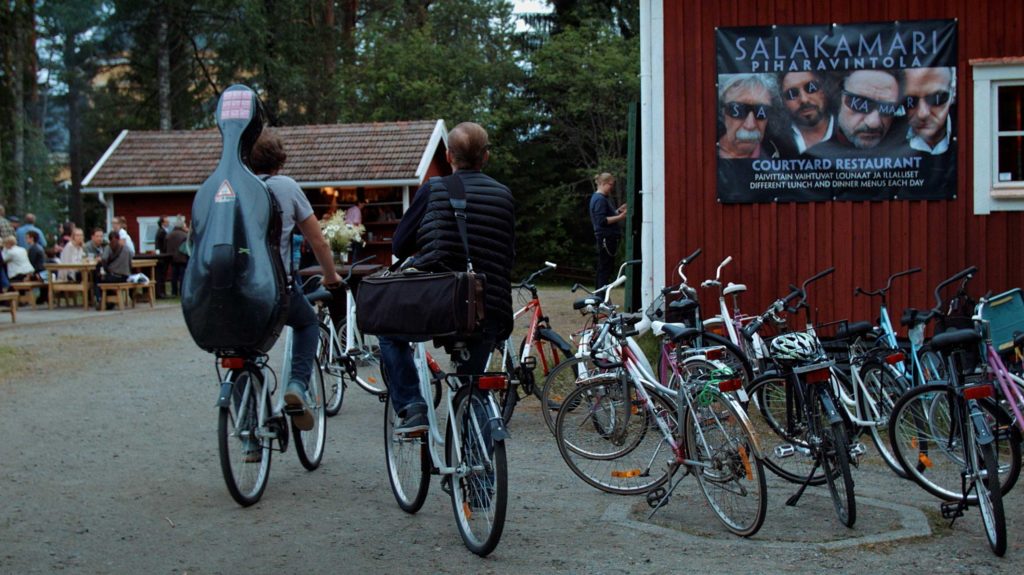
{"x": 991, "y": 195}
{"x": 145, "y": 245}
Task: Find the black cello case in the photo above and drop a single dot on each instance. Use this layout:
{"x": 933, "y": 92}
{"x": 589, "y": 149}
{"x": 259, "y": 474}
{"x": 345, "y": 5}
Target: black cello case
{"x": 235, "y": 292}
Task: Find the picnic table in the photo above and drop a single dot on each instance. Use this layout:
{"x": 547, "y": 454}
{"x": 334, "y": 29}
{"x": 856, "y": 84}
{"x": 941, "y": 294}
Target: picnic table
{"x": 84, "y": 270}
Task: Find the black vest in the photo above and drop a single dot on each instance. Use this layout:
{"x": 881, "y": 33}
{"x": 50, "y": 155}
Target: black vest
{"x": 490, "y": 218}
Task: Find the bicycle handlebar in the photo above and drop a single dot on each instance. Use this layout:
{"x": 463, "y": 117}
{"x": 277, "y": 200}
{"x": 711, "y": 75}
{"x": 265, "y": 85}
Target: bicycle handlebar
{"x": 888, "y": 284}
{"x": 352, "y": 268}
{"x": 962, "y": 274}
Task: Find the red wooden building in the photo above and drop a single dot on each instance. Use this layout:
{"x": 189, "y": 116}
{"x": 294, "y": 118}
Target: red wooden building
{"x": 146, "y": 174}
{"x": 775, "y": 244}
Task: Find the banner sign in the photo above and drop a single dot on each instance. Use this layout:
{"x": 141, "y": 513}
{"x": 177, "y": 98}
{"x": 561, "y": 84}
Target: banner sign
{"x": 837, "y": 112}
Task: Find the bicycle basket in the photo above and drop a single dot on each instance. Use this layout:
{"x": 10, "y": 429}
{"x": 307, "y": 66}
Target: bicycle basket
{"x": 1005, "y": 314}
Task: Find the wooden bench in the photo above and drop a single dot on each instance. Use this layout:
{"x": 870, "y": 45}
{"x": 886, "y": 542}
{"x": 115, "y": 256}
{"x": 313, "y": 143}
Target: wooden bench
{"x": 24, "y": 290}
{"x": 119, "y": 293}
{"x": 12, "y": 301}
{"x": 145, "y": 292}
{"x": 69, "y": 291}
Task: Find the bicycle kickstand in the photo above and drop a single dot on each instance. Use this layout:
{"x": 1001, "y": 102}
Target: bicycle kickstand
{"x": 800, "y": 492}
{"x": 659, "y": 496}
{"x": 954, "y": 509}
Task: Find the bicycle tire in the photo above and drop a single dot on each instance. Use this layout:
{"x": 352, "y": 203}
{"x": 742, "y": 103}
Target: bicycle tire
{"x": 919, "y": 433}
{"x": 835, "y": 463}
{"x": 237, "y": 423}
{"x": 560, "y": 383}
{"x": 727, "y": 451}
{"x": 480, "y": 497}
{"x": 785, "y": 453}
{"x": 408, "y": 461}
{"x": 611, "y": 442}
{"x": 733, "y": 358}
{"x": 335, "y": 371}
{"x": 990, "y": 499}
{"x": 886, "y": 387}
{"x": 548, "y": 350}
{"x": 507, "y": 398}
{"x": 309, "y": 444}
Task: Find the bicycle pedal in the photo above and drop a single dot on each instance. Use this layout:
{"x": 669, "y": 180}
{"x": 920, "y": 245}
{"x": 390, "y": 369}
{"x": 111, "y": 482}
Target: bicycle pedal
{"x": 952, "y": 510}
{"x": 784, "y": 450}
{"x": 446, "y": 484}
{"x": 857, "y": 450}
{"x": 657, "y": 497}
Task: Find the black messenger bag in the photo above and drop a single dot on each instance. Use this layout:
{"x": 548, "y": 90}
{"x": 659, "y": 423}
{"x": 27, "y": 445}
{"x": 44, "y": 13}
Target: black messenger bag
{"x": 420, "y": 305}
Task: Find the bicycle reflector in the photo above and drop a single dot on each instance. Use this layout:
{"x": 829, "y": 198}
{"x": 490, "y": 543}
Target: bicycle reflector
{"x": 492, "y": 382}
{"x": 894, "y": 358}
{"x": 978, "y": 391}
{"x": 818, "y": 375}
{"x": 713, "y": 353}
{"x": 232, "y": 362}
{"x": 727, "y": 385}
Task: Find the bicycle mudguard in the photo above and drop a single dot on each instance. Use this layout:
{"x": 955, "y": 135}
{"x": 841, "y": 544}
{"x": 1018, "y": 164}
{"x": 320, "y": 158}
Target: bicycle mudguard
{"x": 548, "y": 334}
{"x": 225, "y": 394}
{"x": 982, "y": 433}
{"x": 830, "y": 407}
{"x": 234, "y": 295}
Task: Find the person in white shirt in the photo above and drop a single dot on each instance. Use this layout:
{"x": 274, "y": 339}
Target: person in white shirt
{"x": 121, "y": 227}
{"x": 19, "y": 268}
{"x": 73, "y": 253}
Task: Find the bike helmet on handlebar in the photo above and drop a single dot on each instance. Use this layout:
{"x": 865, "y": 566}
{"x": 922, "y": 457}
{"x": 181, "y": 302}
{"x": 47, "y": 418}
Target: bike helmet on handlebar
{"x": 796, "y": 347}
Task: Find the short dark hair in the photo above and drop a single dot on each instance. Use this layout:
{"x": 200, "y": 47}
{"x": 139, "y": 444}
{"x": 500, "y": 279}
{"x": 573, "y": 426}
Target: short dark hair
{"x": 468, "y": 144}
{"x": 34, "y": 235}
{"x": 94, "y": 230}
{"x": 268, "y": 153}
{"x": 114, "y": 236}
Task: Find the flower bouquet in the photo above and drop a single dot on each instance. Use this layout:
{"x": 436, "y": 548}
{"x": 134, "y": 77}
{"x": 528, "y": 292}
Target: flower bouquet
{"x": 341, "y": 235}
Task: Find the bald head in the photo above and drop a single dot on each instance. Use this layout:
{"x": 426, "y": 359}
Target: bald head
{"x": 30, "y": 218}
{"x": 467, "y": 146}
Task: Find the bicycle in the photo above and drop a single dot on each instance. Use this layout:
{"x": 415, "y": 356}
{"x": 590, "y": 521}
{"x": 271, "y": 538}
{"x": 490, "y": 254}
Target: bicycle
{"x": 540, "y": 342}
{"x": 730, "y": 324}
{"x": 357, "y": 358}
{"x": 251, "y": 418}
{"x": 952, "y": 437}
{"x": 614, "y": 425}
{"x": 473, "y": 463}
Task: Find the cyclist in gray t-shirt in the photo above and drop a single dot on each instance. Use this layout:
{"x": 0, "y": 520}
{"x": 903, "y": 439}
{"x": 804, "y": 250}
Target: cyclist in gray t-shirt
{"x": 267, "y": 158}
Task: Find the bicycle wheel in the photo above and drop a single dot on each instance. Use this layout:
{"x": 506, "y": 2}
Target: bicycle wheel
{"x": 408, "y": 464}
{"x": 782, "y": 431}
{"x": 309, "y": 444}
{"x": 560, "y": 383}
{"x": 835, "y": 463}
{"x": 331, "y": 357}
{"x": 882, "y": 389}
{"x": 733, "y": 358}
{"x": 480, "y": 496}
{"x": 610, "y": 440}
{"x": 729, "y": 473}
{"x": 365, "y": 352}
{"x": 990, "y": 497}
{"x": 244, "y": 456}
{"x": 929, "y": 447}
{"x": 507, "y": 398}
{"x": 548, "y": 356}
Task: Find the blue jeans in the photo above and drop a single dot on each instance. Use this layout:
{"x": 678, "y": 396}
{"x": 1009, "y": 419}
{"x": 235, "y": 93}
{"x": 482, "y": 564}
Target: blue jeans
{"x": 403, "y": 383}
{"x": 302, "y": 320}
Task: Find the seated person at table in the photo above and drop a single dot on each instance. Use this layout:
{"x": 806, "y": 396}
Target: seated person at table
{"x": 19, "y": 269}
{"x": 115, "y": 265}
{"x": 94, "y": 248}
{"x": 73, "y": 253}
{"x": 37, "y": 257}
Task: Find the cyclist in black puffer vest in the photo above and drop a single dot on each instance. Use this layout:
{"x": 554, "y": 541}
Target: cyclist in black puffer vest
{"x": 429, "y": 237}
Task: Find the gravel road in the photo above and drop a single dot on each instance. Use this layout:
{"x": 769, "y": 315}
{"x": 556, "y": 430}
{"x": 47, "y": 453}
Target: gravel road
{"x": 110, "y": 466}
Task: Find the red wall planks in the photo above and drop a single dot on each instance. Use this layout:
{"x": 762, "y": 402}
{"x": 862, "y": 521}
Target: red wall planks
{"x": 774, "y": 245}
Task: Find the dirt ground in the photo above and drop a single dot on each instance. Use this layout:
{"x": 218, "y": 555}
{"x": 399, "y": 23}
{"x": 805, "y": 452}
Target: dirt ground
{"x": 109, "y": 465}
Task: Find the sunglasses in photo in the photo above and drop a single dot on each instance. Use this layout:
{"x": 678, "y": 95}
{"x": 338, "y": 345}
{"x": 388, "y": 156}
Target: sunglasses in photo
{"x": 862, "y": 105}
{"x": 740, "y": 110}
{"x": 794, "y": 93}
{"x": 933, "y": 100}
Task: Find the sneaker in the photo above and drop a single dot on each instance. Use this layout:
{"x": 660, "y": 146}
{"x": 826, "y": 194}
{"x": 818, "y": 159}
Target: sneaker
{"x": 296, "y": 405}
{"x": 413, "y": 423}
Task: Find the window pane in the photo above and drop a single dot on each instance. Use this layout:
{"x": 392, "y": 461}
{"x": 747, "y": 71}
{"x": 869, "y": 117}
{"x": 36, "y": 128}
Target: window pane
{"x": 1011, "y": 108}
{"x": 1011, "y": 159}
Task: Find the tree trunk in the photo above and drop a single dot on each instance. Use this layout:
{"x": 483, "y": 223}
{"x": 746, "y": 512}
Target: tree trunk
{"x": 18, "y": 114}
{"x": 163, "y": 67}
{"x": 74, "y": 86}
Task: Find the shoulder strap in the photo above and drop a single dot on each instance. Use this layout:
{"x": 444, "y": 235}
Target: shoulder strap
{"x": 457, "y": 198}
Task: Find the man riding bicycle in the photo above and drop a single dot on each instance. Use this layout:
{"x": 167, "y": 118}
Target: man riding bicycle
{"x": 267, "y": 159}
{"x": 428, "y": 236}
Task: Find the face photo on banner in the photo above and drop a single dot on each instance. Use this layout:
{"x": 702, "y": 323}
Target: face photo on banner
{"x": 837, "y": 112}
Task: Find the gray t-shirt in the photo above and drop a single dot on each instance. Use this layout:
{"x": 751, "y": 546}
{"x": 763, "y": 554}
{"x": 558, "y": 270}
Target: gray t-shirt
{"x": 294, "y": 209}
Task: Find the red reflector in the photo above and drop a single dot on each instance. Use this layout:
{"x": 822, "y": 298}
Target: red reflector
{"x": 717, "y": 330}
{"x": 232, "y": 362}
{"x": 895, "y": 358}
{"x": 730, "y": 385}
{"x": 432, "y": 364}
{"x": 714, "y": 353}
{"x": 818, "y": 375}
{"x": 492, "y": 382}
{"x": 978, "y": 391}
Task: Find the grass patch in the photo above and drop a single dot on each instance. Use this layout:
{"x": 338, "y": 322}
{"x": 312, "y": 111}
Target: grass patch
{"x": 17, "y": 361}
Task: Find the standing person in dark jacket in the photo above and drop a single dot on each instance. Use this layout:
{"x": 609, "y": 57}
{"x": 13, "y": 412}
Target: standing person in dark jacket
{"x": 605, "y": 219}
{"x": 179, "y": 260}
{"x": 428, "y": 236}
{"x": 160, "y": 243}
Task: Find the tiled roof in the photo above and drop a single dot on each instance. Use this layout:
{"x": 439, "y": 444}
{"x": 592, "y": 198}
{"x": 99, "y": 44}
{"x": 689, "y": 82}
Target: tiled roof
{"x": 318, "y": 153}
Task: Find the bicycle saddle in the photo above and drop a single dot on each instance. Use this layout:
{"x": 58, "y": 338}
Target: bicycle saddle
{"x": 734, "y": 288}
{"x": 684, "y": 305}
{"x": 584, "y": 302}
{"x": 679, "y": 333}
{"x": 945, "y": 342}
{"x": 854, "y": 330}
{"x": 319, "y": 295}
